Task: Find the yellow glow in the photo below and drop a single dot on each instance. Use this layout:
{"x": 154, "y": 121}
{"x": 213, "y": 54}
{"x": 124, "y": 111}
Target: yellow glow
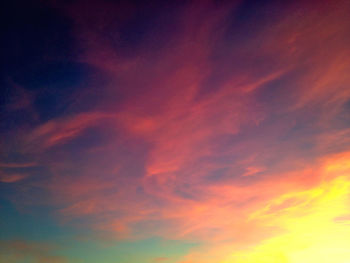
{"x": 314, "y": 224}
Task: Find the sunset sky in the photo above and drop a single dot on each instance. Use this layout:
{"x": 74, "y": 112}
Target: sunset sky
{"x": 175, "y": 131}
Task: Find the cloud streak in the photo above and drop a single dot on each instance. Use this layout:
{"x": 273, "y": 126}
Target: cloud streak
{"x": 224, "y": 124}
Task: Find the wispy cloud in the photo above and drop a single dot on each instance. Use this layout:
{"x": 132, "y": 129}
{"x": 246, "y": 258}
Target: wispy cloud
{"x": 19, "y": 250}
{"x": 223, "y": 128}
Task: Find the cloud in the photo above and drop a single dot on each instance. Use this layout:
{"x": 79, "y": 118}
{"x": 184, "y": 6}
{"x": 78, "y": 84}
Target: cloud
{"x": 305, "y": 221}
{"x": 55, "y": 132}
{"x": 224, "y": 131}
{"x": 14, "y": 172}
{"x": 17, "y": 165}
{"x": 11, "y": 178}
{"x": 202, "y": 144}
{"x": 20, "y": 99}
{"x": 15, "y": 251}
{"x": 160, "y": 259}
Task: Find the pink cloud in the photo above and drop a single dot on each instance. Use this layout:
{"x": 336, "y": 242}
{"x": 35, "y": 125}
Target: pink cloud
{"x": 213, "y": 165}
{"x": 59, "y": 131}
{"x": 11, "y": 178}
{"x": 183, "y": 128}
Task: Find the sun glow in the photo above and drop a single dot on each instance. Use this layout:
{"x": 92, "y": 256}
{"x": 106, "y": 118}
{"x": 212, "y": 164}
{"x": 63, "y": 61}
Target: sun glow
{"x": 315, "y": 225}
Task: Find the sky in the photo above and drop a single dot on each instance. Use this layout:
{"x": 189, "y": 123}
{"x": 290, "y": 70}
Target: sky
{"x": 175, "y": 131}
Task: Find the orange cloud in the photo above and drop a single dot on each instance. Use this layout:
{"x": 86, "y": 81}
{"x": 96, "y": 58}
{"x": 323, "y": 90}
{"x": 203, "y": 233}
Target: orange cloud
{"x": 305, "y": 222}
{"x": 233, "y": 145}
{"x": 194, "y": 136}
